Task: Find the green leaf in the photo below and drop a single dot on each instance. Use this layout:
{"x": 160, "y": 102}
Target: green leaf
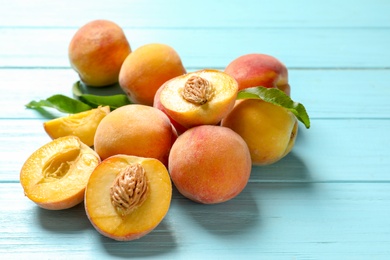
{"x": 76, "y": 89}
{"x": 277, "y": 97}
{"x": 114, "y": 101}
{"x": 61, "y": 103}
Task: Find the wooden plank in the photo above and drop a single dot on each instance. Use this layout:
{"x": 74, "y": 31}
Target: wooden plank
{"x": 204, "y": 13}
{"x": 330, "y": 94}
{"x": 214, "y": 47}
{"x": 328, "y": 199}
{"x": 331, "y": 151}
{"x": 282, "y": 220}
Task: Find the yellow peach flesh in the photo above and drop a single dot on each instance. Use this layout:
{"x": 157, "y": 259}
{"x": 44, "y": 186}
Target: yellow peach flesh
{"x": 82, "y": 125}
{"x": 188, "y": 114}
{"x": 142, "y": 219}
{"x": 55, "y": 175}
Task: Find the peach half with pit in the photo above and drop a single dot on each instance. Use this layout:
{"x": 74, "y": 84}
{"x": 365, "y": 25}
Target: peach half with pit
{"x": 210, "y": 164}
{"x": 55, "y": 175}
{"x": 128, "y": 196}
{"x": 201, "y": 97}
{"x": 82, "y": 125}
{"x": 269, "y": 130}
{"x": 157, "y": 104}
{"x": 257, "y": 69}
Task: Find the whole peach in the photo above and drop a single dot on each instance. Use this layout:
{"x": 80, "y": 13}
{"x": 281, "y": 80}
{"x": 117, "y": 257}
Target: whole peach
{"x": 209, "y": 164}
{"x": 146, "y": 69}
{"x": 257, "y": 69}
{"x": 269, "y": 130}
{"x": 97, "y": 51}
{"x": 136, "y": 130}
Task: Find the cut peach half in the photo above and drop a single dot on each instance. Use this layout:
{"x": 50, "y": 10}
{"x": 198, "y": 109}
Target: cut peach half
{"x": 55, "y": 175}
{"x": 82, "y": 125}
{"x": 128, "y": 196}
{"x": 199, "y": 98}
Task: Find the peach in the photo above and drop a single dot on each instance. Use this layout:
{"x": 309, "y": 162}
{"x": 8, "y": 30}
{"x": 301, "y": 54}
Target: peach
{"x": 146, "y": 69}
{"x": 55, "y": 175}
{"x": 128, "y": 196}
{"x": 256, "y": 69}
{"x": 137, "y": 130}
{"x": 96, "y": 52}
{"x": 157, "y": 104}
{"x": 199, "y": 98}
{"x": 83, "y": 125}
{"x": 269, "y": 130}
{"x": 209, "y": 164}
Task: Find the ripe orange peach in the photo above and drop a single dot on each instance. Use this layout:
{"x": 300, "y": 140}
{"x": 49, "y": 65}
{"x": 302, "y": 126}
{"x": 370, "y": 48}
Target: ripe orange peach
{"x": 269, "y": 130}
{"x": 83, "y": 125}
{"x": 128, "y": 196}
{"x": 199, "y": 98}
{"x": 55, "y": 175}
{"x": 146, "y": 69}
{"x": 97, "y": 51}
{"x": 209, "y": 164}
{"x": 137, "y": 130}
{"x": 256, "y": 69}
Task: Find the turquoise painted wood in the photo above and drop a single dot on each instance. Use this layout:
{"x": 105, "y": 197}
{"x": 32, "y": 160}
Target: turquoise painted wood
{"x": 328, "y": 199}
{"x": 314, "y": 48}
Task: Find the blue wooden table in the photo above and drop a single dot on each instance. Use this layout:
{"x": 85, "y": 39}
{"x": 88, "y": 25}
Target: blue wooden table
{"x": 328, "y": 199}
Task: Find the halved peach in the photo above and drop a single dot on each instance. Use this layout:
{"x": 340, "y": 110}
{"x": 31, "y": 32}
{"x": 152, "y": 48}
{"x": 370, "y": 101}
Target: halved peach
{"x": 199, "y": 98}
{"x": 128, "y": 196}
{"x": 82, "y": 125}
{"x": 55, "y": 175}
{"x": 157, "y": 104}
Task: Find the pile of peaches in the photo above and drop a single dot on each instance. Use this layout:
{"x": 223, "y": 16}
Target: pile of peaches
{"x": 182, "y": 128}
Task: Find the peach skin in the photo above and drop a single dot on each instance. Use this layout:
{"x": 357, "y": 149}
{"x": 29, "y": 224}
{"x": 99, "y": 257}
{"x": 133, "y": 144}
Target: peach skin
{"x": 256, "y": 69}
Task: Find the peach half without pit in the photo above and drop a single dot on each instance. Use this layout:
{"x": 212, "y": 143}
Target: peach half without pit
{"x": 55, "y": 175}
{"x": 199, "y": 98}
{"x": 82, "y": 125}
{"x": 128, "y": 196}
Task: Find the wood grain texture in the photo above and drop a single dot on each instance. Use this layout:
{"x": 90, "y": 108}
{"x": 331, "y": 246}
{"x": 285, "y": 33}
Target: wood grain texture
{"x": 328, "y": 199}
{"x": 331, "y": 151}
{"x": 327, "y": 94}
{"x": 314, "y": 48}
{"x": 281, "y": 220}
{"x": 202, "y": 13}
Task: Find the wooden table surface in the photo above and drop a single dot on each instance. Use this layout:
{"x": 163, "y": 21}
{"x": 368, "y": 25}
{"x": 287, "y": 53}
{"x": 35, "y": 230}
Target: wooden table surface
{"x": 328, "y": 199}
